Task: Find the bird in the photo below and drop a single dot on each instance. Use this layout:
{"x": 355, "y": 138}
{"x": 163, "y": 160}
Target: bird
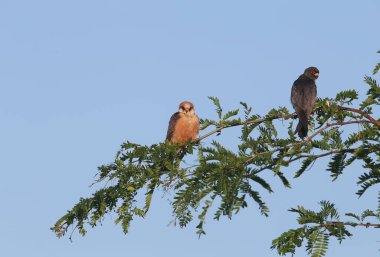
{"x": 303, "y": 97}
{"x": 183, "y": 125}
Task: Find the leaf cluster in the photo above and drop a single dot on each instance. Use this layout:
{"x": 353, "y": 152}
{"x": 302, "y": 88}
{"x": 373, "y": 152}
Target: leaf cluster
{"x": 222, "y": 180}
{"x": 318, "y": 227}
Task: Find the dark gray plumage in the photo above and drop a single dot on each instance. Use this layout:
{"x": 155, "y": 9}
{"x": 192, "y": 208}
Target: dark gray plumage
{"x": 303, "y": 97}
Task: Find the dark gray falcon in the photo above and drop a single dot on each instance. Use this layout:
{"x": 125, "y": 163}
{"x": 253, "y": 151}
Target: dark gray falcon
{"x": 304, "y": 94}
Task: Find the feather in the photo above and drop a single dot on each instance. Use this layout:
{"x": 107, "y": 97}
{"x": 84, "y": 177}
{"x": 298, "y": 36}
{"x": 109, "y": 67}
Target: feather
{"x": 172, "y": 122}
{"x": 303, "y": 97}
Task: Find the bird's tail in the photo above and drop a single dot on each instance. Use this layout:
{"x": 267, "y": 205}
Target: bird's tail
{"x": 302, "y": 126}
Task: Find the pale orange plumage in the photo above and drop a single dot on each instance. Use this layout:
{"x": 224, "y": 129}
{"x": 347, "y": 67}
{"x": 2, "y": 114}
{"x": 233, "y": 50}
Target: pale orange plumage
{"x": 183, "y": 125}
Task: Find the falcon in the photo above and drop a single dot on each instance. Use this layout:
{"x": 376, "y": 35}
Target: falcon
{"x": 183, "y": 125}
{"x": 303, "y": 97}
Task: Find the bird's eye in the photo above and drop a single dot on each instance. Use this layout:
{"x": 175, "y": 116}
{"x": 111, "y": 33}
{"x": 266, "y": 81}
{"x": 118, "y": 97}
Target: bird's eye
{"x": 191, "y": 108}
{"x": 182, "y": 108}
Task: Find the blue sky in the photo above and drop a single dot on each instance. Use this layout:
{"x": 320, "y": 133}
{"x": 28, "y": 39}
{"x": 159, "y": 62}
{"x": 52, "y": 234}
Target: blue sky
{"x": 78, "y": 78}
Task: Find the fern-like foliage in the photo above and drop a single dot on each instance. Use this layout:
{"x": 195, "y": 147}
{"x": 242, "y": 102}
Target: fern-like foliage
{"x": 377, "y": 68}
{"x": 316, "y": 230}
{"x": 224, "y": 180}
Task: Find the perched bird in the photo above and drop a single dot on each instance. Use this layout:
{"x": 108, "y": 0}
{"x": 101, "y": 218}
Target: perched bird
{"x": 183, "y": 125}
{"x": 303, "y": 97}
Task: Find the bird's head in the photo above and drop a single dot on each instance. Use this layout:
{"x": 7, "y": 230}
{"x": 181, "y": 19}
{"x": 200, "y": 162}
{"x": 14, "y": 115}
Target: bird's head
{"x": 187, "y": 108}
{"x": 312, "y": 72}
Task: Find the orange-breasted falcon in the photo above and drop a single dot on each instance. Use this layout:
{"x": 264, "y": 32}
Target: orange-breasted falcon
{"x": 183, "y": 125}
{"x": 303, "y": 97}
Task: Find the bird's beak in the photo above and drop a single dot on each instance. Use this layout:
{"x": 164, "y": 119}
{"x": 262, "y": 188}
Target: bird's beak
{"x": 316, "y": 75}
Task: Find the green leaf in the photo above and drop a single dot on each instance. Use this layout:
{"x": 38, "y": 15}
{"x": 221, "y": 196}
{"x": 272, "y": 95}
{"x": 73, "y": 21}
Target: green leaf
{"x": 216, "y": 102}
{"x": 230, "y": 114}
{"x": 321, "y": 245}
{"x": 305, "y": 164}
{"x": 336, "y": 165}
{"x": 354, "y": 216}
{"x": 376, "y": 69}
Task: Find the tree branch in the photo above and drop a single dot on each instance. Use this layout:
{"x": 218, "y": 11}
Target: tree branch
{"x": 307, "y": 139}
{"x": 340, "y": 223}
{"x": 366, "y": 115}
{"x": 369, "y": 118}
{"x": 257, "y": 121}
{"x": 334, "y": 124}
{"x": 316, "y": 156}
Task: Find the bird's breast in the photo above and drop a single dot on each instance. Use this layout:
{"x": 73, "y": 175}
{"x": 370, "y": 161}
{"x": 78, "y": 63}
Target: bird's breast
{"x": 186, "y": 129}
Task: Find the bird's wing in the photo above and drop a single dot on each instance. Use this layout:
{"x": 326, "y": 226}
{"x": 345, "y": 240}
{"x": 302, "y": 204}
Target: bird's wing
{"x": 196, "y": 125}
{"x": 304, "y": 93}
{"x": 172, "y": 122}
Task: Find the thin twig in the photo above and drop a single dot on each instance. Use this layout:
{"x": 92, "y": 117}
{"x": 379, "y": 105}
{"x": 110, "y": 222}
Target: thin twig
{"x": 335, "y": 124}
{"x": 261, "y": 120}
{"x": 316, "y": 156}
{"x": 366, "y": 115}
{"x": 307, "y": 139}
{"x": 340, "y": 223}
